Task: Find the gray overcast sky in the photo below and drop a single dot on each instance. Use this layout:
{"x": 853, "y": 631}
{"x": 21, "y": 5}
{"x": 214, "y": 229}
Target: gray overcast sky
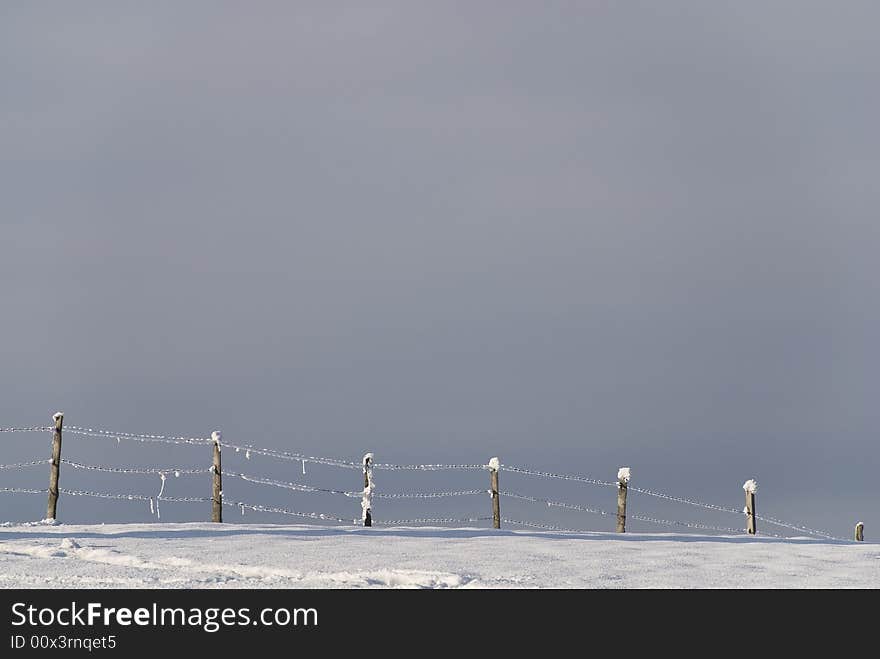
{"x": 573, "y": 234}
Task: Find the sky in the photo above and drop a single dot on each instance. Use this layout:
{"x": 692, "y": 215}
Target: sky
{"x": 575, "y": 235}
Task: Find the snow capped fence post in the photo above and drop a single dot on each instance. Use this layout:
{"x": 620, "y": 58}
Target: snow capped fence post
{"x": 860, "y": 532}
{"x": 54, "y": 470}
{"x": 623, "y": 475}
{"x": 494, "y": 466}
{"x": 217, "y": 488}
{"x": 750, "y": 486}
{"x": 367, "y": 500}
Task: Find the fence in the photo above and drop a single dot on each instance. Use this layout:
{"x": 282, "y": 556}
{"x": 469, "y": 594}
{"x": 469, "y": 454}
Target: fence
{"x": 618, "y": 488}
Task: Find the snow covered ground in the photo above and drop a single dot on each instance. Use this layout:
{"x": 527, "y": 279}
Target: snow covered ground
{"x": 201, "y": 555}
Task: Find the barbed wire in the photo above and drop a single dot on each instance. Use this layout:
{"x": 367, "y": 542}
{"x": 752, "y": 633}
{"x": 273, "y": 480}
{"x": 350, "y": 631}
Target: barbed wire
{"x": 118, "y": 436}
{"x": 429, "y": 520}
{"x": 428, "y": 467}
{"x": 299, "y": 487}
{"x": 565, "y": 477}
{"x": 552, "y": 527}
{"x": 691, "y": 502}
{"x": 302, "y": 487}
{"x": 284, "y": 511}
{"x": 131, "y": 496}
{"x": 643, "y": 518}
{"x": 554, "y": 504}
{"x": 23, "y": 465}
{"x": 22, "y": 490}
{"x": 104, "y": 495}
{"x": 426, "y": 495}
{"x": 176, "y": 471}
{"x": 548, "y": 527}
{"x": 692, "y": 525}
{"x": 296, "y": 457}
{"x": 164, "y": 439}
{"x": 804, "y": 529}
{"x": 248, "y": 449}
{"x": 28, "y": 429}
{"x": 292, "y": 456}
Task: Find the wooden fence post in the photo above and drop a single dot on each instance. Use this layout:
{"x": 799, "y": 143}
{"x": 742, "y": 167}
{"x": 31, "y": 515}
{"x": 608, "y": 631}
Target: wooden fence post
{"x": 367, "y": 500}
{"x": 860, "y": 532}
{"x": 494, "y": 466}
{"x": 217, "y": 489}
{"x": 622, "y": 483}
{"x": 54, "y": 470}
{"x": 750, "y": 487}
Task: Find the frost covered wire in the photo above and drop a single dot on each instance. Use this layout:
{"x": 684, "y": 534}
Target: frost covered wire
{"x": 284, "y": 511}
{"x": 551, "y": 527}
{"x": 660, "y": 495}
{"x": 107, "y": 434}
{"x": 795, "y": 527}
{"x": 28, "y": 429}
{"x": 690, "y": 525}
{"x": 690, "y": 502}
{"x": 176, "y": 471}
{"x": 296, "y": 457}
{"x": 104, "y": 495}
{"x": 428, "y": 467}
{"x": 547, "y": 527}
{"x": 128, "y": 497}
{"x": 166, "y": 439}
{"x": 653, "y": 520}
{"x": 23, "y": 465}
{"x": 302, "y": 487}
{"x": 299, "y": 487}
{"x": 565, "y": 477}
{"x": 710, "y": 506}
{"x": 555, "y": 504}
{"x": 21, "y": 490}
{"x": 430, "y": 520}
{"x": 425, "y": 495}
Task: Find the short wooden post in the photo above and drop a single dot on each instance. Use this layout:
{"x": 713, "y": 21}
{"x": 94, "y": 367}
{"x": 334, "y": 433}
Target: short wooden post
{"x": 367, "y": 500}
{"x": 55, "y": 468}
{"x": 494, "y": 466}
{"x": 860, "y": 532}
{"x": 217, "y": 489}
{"x": 623, "y": 475}
{"x": 750, "y": 487}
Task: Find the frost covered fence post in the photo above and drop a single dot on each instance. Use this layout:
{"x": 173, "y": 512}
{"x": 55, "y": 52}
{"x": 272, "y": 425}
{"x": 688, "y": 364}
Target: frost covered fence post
{"x": 217, "y": 489}
{"x": 623, "y": 475}
{"x": 494, "y": 466}
{"x": 367, "y": 500}
{"x": 750, "y": 487}
{"x": 860, "y": 532}
{"x": 54, "y": 470}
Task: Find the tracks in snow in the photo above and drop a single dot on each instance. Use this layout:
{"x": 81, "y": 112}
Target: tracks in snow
{"x": 172, "y": 571}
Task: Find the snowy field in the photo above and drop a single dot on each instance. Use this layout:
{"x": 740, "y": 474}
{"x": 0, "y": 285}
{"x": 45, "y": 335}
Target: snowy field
{"x": 201, "y": 555}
